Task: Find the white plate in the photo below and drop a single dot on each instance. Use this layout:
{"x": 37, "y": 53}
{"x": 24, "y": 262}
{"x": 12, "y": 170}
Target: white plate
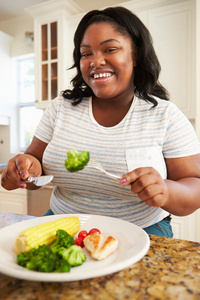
{"x": 133, "y": 245}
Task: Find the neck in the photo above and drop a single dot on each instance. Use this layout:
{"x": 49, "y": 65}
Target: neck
{"x": 108, "y": 112}
{"x": 114, "y": 103}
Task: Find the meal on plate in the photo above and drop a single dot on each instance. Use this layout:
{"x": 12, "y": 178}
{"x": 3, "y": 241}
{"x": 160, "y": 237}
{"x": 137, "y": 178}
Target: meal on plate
{"x": 51, "y": 247}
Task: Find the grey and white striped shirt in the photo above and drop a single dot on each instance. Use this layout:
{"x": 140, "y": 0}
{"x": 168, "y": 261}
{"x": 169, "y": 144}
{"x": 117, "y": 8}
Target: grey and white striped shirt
{"x": 144, "y": 137}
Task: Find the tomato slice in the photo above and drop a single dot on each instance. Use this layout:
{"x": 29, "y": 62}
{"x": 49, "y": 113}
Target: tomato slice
{"x": 82, "y": 234}
{"x": 94, "y": 230}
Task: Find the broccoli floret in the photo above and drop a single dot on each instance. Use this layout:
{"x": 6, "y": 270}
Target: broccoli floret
{"x": 74, "y": 255}
{"x": 61, "y": 265}
{"x": 43, "y": 259}
{"x": 40, "y": 259}
{"x": 64, "y": 240}
{"x": 23, "y": 258}
{"x": 76, "y": 161}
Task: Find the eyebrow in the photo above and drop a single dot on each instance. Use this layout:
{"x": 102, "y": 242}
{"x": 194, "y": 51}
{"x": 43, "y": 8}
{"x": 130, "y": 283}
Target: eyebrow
{"x": 104, "y": 42}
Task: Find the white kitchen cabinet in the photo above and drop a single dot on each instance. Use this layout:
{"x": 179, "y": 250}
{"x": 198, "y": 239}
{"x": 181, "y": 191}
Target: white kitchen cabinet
{"x": 22, "y": 201}
{"x": 186, "y": 228}
{"x": 13, "y": 201}
{"x": 53, "y": 48}
{"x": 172, "y": 26}
{"x": 173, "y": 30}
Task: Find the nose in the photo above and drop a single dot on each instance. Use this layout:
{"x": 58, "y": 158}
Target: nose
{"x": 97, "y": 61}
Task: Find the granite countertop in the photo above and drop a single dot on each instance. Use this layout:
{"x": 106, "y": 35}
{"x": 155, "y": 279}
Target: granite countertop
{"x": 170, "y": 270}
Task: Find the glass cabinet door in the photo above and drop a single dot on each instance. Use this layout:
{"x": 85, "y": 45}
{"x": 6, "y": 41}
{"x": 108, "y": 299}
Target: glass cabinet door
{"x": 49, "y": 63}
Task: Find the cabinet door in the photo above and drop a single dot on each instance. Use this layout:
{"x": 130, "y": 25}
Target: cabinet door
{"x": 46, "y": 59}
{"x": 173, "y": 27}
{"x": 13, "y": 201}
{"x": 186, "y": 227}
{"x": 173, "y": 31}
{"x": 53, "y": 44}
{"x": 49, "y": 61}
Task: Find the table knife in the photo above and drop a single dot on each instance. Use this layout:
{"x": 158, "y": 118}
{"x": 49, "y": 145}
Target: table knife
{"x": 40, "y": 180}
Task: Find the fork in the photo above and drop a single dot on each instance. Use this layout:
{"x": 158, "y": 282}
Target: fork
{"x": 96, "y": 165}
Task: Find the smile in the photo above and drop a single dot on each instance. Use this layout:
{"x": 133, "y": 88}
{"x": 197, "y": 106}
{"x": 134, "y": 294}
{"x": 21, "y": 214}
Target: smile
{"x": 102, "y": 75}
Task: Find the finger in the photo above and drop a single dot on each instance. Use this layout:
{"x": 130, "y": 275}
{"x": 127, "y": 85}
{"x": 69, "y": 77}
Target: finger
{"x": 13, "y": 177}
{"x": 10, "y": 179}
{"x": 155, "y": 195}
{"x": 11, "y": 170}
{"x": 130, "y": 177}
{"x": 23, "y": 166}
{"x": 156, "y": 201}
{"x": 150, "y": 191}
{"x": 143, "y": 182}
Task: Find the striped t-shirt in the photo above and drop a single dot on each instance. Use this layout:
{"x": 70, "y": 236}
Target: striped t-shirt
{"x": 144, "y": 137}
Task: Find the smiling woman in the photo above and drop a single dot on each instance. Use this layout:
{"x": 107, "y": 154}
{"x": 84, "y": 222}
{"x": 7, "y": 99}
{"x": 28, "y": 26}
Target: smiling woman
{"x": 107, "y": 68}
{"x": 118, "y": 111}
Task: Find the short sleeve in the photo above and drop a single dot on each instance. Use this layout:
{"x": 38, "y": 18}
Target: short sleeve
{"x": 181, "y": 139}
{"x": 45, "y": 128}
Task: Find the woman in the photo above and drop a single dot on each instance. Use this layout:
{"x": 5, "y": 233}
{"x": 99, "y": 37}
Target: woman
{"x": 118, "y": 111}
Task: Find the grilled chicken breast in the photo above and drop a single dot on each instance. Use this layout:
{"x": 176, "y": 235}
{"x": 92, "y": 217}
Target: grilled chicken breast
{"x": 100, "y": 246}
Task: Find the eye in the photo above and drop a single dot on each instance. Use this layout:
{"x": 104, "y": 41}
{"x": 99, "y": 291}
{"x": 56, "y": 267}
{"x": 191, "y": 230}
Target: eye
{"x": 84, "y": 54}
{"x": 110, "y": 50}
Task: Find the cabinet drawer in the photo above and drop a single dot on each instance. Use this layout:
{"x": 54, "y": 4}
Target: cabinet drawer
{"x": 13, "y": 201}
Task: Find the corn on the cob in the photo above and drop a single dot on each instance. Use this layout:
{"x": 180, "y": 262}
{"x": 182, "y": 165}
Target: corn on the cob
{"x": 45, "y": 233}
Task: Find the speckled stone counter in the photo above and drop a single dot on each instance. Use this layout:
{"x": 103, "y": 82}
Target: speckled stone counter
{"x": 170, "y": 270}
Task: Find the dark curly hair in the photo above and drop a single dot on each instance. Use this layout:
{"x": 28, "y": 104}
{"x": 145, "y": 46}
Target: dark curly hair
{"x": 148, "y": 68}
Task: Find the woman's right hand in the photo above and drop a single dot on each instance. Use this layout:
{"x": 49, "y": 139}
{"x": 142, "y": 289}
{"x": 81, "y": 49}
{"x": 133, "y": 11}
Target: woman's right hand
{"x": 18, "y": 169}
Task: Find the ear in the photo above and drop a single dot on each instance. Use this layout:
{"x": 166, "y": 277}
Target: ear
{"x": 135, "y": 59}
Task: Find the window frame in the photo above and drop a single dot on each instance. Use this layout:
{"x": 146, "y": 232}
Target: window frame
{"x": 22, "y": 104}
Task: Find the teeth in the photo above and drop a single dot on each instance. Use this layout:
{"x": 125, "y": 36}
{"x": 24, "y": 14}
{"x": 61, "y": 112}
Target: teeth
{"x": 96, "y": 76}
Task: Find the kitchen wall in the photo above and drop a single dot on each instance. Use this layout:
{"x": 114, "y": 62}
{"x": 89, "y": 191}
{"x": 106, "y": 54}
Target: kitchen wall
{"x": 16, "y": 27}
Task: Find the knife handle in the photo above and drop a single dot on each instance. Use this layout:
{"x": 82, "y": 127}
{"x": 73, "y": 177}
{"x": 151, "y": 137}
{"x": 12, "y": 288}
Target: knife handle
{"x": 32, "y": 179}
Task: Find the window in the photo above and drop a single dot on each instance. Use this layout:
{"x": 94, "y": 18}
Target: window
{"x": 28, "y": 115}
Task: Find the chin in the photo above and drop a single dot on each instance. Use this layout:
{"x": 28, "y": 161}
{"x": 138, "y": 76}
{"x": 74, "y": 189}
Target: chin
{"x": 104, "y": 96}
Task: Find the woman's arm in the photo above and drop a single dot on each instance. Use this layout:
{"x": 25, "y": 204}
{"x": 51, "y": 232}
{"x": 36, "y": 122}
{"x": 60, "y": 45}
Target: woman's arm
{"x": 183, "y": 183}
{"x": 179, "y": 194}
{"x": 20, "y": 167}
{"x": 36, "y": 149}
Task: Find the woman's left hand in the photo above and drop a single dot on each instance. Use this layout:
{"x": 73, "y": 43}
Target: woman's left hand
{"x": 148, "y": 184}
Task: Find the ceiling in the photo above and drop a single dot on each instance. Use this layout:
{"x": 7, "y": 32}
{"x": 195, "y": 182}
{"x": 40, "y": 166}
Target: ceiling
{"x": 13, "y": 8}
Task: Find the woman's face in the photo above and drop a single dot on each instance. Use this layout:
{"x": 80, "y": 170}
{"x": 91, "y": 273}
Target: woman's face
{"x": 106, "y": 61}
